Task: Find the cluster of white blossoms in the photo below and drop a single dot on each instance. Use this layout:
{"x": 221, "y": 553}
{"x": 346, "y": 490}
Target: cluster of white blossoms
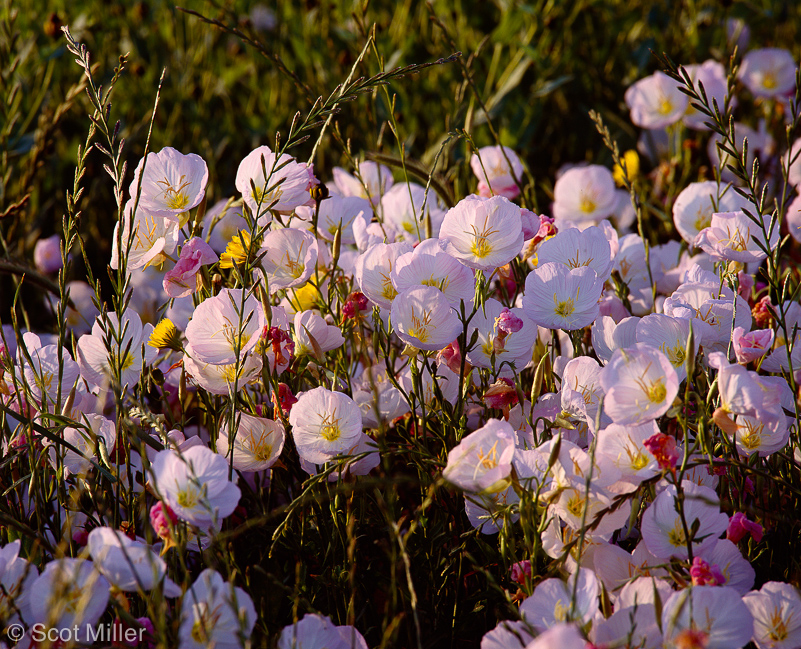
{"x": 294, "y": 328}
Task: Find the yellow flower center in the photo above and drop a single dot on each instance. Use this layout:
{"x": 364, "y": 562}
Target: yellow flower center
{"x": 665, "y": 106}
{"x": 420, "y": 325}
{"x": 488, "y": 460}
{"x": 676, "y": 536}
{"x": 175, "y": 198}
{"x": 560, "y": 611}
{"x": 564, "y": 308}
{"x": 637, "y": 459}
{"x": 330, "y": 429}
{"x": 207, "y": 620}
{"x": 229, "y": 374}
{"x": 481, "y": 247}
{"x": 752, "y": 437}
{"x": 294, "y": 266}
{"x": 656, "y": 391}
{"x": 778, "y": 626}
{"x": 576, "y": 263}
{"x": 189, "y": 497}
{"x": 388, "y": 291}
{"x": 575, "y": 505}
{"x": 703, "y": 219}
{"x": 164, "y": 335}
{"x": 441, "y": 284}
{"x": 737, "y": 241}
{"x": 587, "y": 205}
{"x": 265, "y": 199}
{"x": 260, "y": 447}
{"x": 44, "y": 381}
{"x": 676, "y": 354}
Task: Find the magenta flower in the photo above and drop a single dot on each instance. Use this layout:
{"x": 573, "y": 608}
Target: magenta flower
{"x": 740, "y": 526}
{"x": 704, "y": 574}
{"x": 501, "y": 395}
{"x": 521, "y": 571}
{"x": 663, "y": 448}
{"x": 182, "y": 280}
{"x": 162, "y": 518}
{"x": 763, "y": 312}
{"x": 284, "y": 400}
{"x": 356, "y": 303}
{"x": 537, "y": 227}
{"x": 452, "y": 357}
{"x": 508, "y": 322}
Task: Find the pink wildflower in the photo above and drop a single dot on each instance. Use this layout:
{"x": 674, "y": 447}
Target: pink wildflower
{"x": 494, "y": 174}
{"x": 284, "y": 400}
{"x": 452, "y": 357}
{"x": 752, "y": 345}
{"x": 162, "y": 518}
{"x": 356, "y": 303}
{"x": 705, "y": 575}
{"x": 763, "y": 313}
{"x": 501, "y": 395}
{"x": 508, "y": 322}
{"x": 739, "y": 526}
{"x": 521, "y": 571}
{"x": 663, "y": 448}
{"x": 745, "y": 282}
{"x": 182, "y": 280}
{"x": 150, "y": 631}
{"x": 537, "y": 228}
{"x": 283, "y": 347}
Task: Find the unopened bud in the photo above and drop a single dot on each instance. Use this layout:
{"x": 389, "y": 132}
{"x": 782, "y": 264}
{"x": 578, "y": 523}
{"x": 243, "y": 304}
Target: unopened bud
{"x": 335, "y": 248}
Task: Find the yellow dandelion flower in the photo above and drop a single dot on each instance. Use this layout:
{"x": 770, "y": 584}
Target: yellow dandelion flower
{"x": 236, "y": 252}
{"x": 165, "y": 336}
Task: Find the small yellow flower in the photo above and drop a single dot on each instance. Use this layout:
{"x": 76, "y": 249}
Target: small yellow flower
{"x": 165, "y": 336}
{"x": 236, "y": 252}
{"x": 632, "y": 161}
